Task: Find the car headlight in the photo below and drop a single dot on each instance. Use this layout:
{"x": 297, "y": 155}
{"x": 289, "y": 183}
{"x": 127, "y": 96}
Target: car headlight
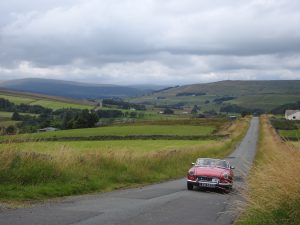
{"x": 191, "y": 173}
{"x": 226, "y": 175}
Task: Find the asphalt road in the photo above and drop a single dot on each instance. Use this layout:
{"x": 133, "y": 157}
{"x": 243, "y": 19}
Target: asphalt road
{"x": 165, "y": 203}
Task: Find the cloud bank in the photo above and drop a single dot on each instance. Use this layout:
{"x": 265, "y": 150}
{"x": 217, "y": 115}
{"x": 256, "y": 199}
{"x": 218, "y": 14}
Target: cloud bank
{"x": 150, "y": 41}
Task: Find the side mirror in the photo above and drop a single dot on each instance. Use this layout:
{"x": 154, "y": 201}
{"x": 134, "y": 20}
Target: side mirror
{"x": 193, "y": 164}
{"x": 232, "y": 167}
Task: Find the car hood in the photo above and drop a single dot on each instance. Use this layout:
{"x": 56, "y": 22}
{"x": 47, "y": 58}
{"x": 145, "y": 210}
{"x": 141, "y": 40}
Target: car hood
{"x": 209, "y": 171}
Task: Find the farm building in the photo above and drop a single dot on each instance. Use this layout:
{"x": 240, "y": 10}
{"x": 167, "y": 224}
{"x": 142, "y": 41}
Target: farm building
{"x": 47, "y": 129}
{"x": 292, "y": 114}
{"x": 232, "y": 117}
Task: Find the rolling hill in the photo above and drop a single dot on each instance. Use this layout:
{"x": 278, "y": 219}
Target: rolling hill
{"x": 264, "y": 95}
{"x": 238, "y": 88}
{"x": 70, "y": 89}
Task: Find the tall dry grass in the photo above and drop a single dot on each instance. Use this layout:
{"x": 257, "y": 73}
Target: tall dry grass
{"x": 274, "y": 185}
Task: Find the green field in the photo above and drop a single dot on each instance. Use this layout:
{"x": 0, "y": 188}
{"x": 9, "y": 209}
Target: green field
{"x": 290, "y": 134}
{"x": 31, "y": 174}
{"x": 5, "y": 118}
{"x": 180, "y": 130}
{"x": 53, "y": 104}
{"x": 287, "y": 129}
{"x": 117, "y": 146}
{"x": 38, "y": 170}
{"x": 58, "y": 105}
{"x": 7, "y": 123}
{"x": 5, "y": 114}
{"x": 17, "y": 100}
{"x": 9, "y": 114}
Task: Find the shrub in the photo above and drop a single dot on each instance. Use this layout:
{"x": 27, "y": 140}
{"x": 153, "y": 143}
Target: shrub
{"x": 282, "y": 124}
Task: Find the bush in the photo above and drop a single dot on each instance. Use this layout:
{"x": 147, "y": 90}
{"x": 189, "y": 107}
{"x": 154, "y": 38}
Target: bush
{"x": 232, "y": 109}
{"x": 168, "y": 111}
{"x": 281, "y": 109}
{"x": 11, "y": 129}
{"x": 282, "y": 124}
{"x": 223, "y": 99}
{"x": 16, "y": 116}
{"x": 111, "y": 113}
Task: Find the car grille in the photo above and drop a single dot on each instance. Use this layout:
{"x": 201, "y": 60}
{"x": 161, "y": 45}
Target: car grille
{"x": 204, "y": 178}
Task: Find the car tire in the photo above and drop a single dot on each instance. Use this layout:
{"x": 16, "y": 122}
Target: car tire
{"x": 227, "y": 190}
{"x": 190, "y": 186}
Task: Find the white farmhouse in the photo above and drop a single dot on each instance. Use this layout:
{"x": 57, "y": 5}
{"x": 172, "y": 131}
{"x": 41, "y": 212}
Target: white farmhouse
{"x": 292, "y": 114}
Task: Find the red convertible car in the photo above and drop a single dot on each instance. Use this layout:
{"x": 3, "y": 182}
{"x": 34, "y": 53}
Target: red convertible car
{"x": 210, "y": 173}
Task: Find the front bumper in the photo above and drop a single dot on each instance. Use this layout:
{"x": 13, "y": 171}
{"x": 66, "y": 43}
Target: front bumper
{"x": 207, "y": 184}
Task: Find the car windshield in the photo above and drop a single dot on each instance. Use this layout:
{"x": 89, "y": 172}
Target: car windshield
{"x": 203, "y": 162}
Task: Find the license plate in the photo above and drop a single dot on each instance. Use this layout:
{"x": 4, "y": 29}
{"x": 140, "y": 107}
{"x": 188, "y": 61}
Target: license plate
{"x": 207, "y": 185}
{"x": 215, "y": 180}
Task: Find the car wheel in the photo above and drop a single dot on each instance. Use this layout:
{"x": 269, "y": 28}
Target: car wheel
{"x": 227, "y": 190}
{"x": 190, "y": 186}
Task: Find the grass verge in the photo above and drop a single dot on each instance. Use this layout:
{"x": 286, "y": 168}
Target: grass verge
{"x": 31, "y": 175}
{"x": 274, "y": 185}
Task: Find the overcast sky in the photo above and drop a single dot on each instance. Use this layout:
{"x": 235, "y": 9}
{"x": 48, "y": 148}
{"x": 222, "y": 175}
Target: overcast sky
{"x": 150, "y": 41}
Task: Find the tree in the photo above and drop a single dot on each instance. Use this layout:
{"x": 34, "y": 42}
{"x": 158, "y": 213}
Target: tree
{"x": 6, "y": 105}
{"x": 244, "y": 113}
{"x": 16, "y": 116}
{"x": 44, "y": 120}
{"x": 85, "y": 119}
{"x": 92, "y": 119}
{"x": 281, "y": 109}
{"x": 111, "y": 113}
{"x": 232, "y": 109}
{"x": 132, "y": 114}
{"x": 211, "y": 113}
{"x": 195, "y": 109}
{"x": 66, "y": 121}
{"x": 168, "y": 111}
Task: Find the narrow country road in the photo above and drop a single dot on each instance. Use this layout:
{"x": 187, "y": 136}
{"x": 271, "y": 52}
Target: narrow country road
{"x": 165, "y": 203}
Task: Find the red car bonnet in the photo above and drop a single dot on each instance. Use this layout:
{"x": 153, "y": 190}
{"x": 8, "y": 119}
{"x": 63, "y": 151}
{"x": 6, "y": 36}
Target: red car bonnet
{"x": 209, "y": 171}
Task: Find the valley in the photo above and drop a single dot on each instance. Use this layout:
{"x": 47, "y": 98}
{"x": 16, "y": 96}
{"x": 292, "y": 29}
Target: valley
{"x": 102, "y": 145}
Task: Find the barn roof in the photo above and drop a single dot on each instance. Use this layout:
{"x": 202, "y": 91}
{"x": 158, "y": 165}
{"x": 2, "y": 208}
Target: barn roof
{"x": 291, "y": 112}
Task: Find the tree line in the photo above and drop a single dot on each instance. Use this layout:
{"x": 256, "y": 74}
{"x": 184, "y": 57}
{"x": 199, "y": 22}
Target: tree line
{"x": 66, "y": 118}
{"x": 122, "y": 105}
{"x": 8, "y": 106}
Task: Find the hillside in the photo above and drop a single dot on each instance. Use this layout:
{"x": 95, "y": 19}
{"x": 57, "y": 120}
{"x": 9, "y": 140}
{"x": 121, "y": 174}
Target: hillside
{"x": 239, "y": 88}
{"x": 48, "y": 101}
{"x": 70, "y": 89}
{"x": 264, "y": 95}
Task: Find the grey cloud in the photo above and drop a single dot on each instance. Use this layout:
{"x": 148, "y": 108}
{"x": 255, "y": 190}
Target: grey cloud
{"x": 179, "y": 40}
